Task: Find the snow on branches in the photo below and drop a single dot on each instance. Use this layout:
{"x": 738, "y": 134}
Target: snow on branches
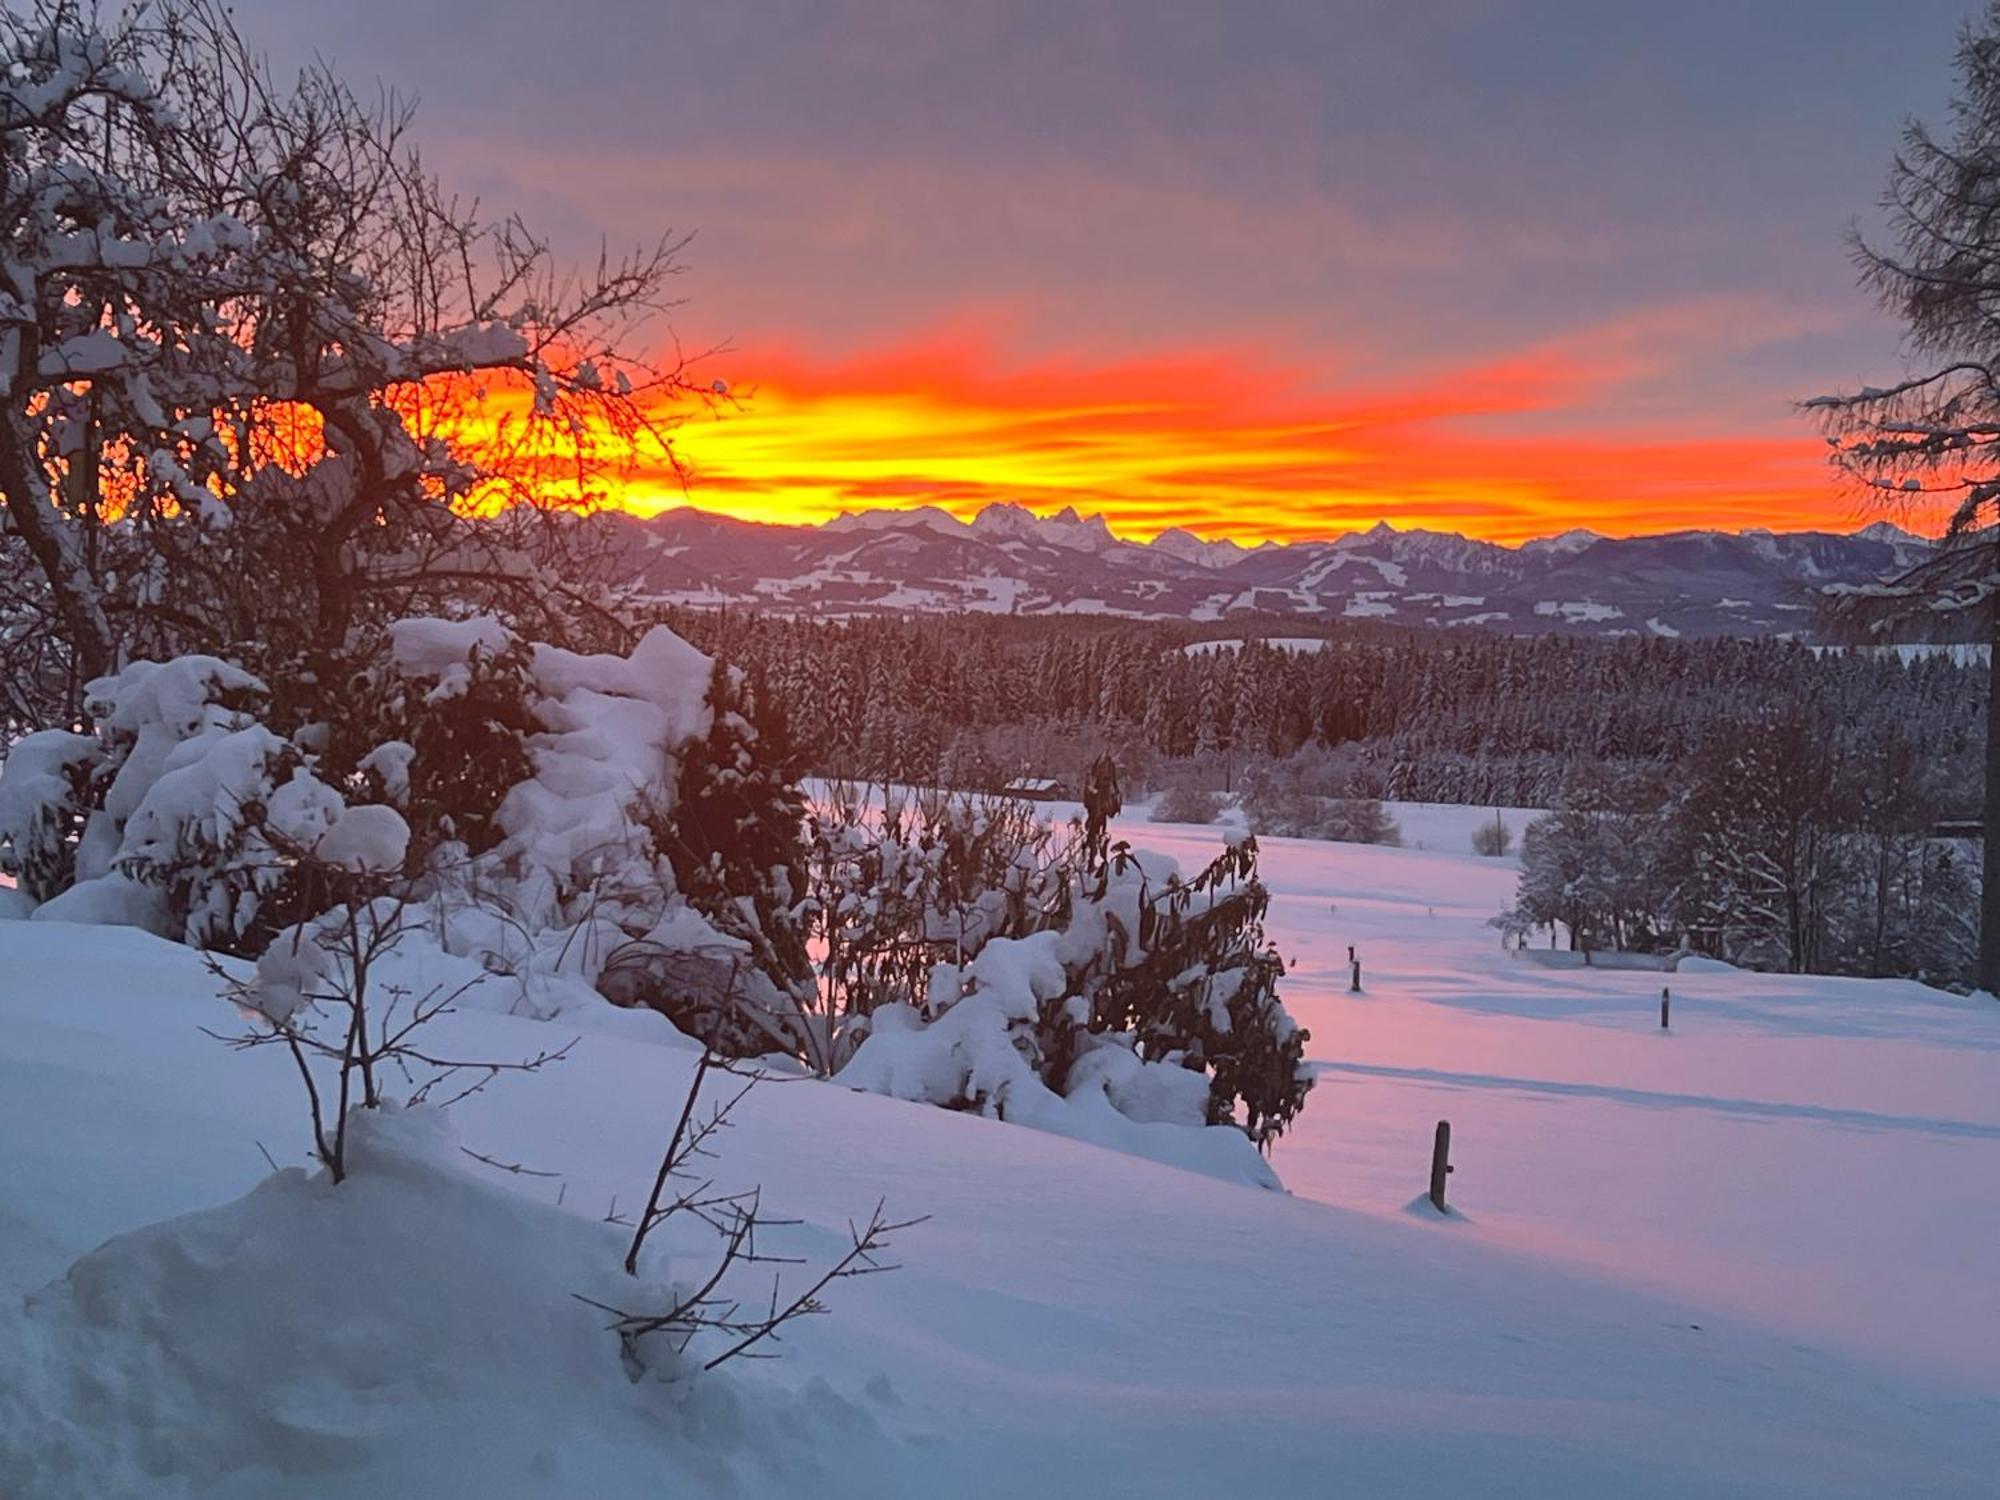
{"x": 258, "y": 368}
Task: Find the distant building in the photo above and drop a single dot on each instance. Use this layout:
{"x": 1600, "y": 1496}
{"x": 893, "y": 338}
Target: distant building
{"x": 1034, "y": 789}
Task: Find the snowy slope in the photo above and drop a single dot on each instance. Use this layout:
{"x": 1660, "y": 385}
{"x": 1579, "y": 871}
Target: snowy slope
{"x": 1821, "y": 1154}
{"x": 1740, "y": 1259}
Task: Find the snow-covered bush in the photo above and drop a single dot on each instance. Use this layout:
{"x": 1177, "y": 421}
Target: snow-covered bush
{"x": 327, "y": 991}
{"x": 1277, "y": 804}
{"x": 1186, "y": 802}
{"x": 974, "y": 960}
{"x": 432, "y": 717}
{"x": 538, "y": 792}
{"x": 734, "y": 835}
{"x": 44, "y": 799}
{"x": 899, "y": 885}
{"x": 1492, "y": 839}
{"x": 172, "y": 814}
{"x": 188, "y": 810}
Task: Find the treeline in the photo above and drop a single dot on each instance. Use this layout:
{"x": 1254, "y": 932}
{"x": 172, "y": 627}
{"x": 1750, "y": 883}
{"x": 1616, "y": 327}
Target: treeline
{"x": 1786, "y": 845}
{"x": 1418, "y": 716}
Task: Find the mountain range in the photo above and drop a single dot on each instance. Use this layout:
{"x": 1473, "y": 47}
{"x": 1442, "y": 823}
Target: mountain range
{"x": 1009, "y": 560}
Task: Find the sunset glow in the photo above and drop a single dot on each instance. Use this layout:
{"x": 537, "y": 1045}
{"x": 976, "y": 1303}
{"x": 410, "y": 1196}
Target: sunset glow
{"x": 1225, "y": 442}
{"x": 1264, "y": 272}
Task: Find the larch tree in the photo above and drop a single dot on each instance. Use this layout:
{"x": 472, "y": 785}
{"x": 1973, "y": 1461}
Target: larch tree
{"x": 1930, "y": 442}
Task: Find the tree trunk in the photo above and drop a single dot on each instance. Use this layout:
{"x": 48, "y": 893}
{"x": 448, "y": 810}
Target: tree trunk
{"x": 1989, "y": 890}
{"x": 78, "y": 606}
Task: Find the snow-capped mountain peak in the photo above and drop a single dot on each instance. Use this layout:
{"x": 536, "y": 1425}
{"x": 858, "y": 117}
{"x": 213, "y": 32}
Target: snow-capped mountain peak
{"x": 1177, "y": 542}
{"x": 1573, "y": 540}
{"x": 1010, "y": 520}
{"x": 930, "y": 517}
{"x": 1887, "y": 531}
{"x": 1007, "y": 559}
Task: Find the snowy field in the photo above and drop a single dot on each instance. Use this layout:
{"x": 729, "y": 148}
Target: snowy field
{"x": 1750, "y": 1256}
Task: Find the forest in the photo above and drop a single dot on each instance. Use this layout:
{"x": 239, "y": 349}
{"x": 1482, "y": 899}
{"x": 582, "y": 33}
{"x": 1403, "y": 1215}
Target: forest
{"x": 973, "y": 701}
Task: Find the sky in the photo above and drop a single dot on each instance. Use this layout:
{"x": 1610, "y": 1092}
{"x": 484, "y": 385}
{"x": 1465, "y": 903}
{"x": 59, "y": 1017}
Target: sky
{"x": 1268, "y": 269}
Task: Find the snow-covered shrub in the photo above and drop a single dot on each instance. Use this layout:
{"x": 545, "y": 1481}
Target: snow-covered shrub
{"x": 1186, "y": 802}
{"x": 1278, "y": 805}
{"x": 1492, "y": 839}
{"x": 975, "y": 961}
{"x": 433, "y": 719}
{"x": 187, "y": 810}
{"x": 900, "y": 885}
{"x": 734, "y": 834}
{"x": 44, "y": 799}
{"x": 546, "y": 825}
{"x": 179, "y": 807}
{"x": 326, "y": 990}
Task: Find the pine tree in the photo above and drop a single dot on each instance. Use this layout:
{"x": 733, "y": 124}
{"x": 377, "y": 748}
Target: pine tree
{"x": 1932, "y": 438}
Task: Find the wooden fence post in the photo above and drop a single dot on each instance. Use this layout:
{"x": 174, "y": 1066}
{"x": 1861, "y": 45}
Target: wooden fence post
{"x": 1440, "y": 1164}
{"x": 1665, "y": 1001}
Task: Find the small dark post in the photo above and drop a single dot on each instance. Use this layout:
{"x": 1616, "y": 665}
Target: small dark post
{"x": 1350, "y": 953}
{"x": 1440, "y": 1164}
{"x": 1665, "y": 1001}
{"x": 1354, "y": 983}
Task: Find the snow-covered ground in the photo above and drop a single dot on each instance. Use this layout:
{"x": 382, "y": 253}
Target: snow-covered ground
{"x": 1750, "y": 1256}
{"x": 1820, "y": 1155}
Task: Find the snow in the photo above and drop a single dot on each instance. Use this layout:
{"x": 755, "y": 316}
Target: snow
{"x": 1177, "y": 541}
{"x": 610, "y": 727}
{"x": 1889, "y": 531}
{"x": 967, "y": 1052}
{"x": 1571, "y": 541}
{"x": 1303, "y": 644}
{"x": 1584, "y": 611}
{"x": 928, "y": 517}
{"x": 1749, "y": 1256}
{"x": 1858, "y": 1119}
{"x": 428, "y": 647}
{"x": 113, "y": 900}
{"x": 1368, "y": 605}
{"x": 1009, "y": 521}
{"x": 1210, "y": 608}
{"x": 303, "y": 1327}
{"x": 38, "y": 775}
{"x": 366, "y": 838}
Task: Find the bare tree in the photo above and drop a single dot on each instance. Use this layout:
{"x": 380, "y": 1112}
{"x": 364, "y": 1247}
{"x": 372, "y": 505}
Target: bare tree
{"x": 316, "y": 993}
{"x": 709, "y": 1307}
{"x": 259, "y": 370}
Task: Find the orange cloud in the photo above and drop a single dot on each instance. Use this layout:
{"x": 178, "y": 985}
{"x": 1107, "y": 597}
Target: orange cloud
{"x": 1236, "y": 441}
